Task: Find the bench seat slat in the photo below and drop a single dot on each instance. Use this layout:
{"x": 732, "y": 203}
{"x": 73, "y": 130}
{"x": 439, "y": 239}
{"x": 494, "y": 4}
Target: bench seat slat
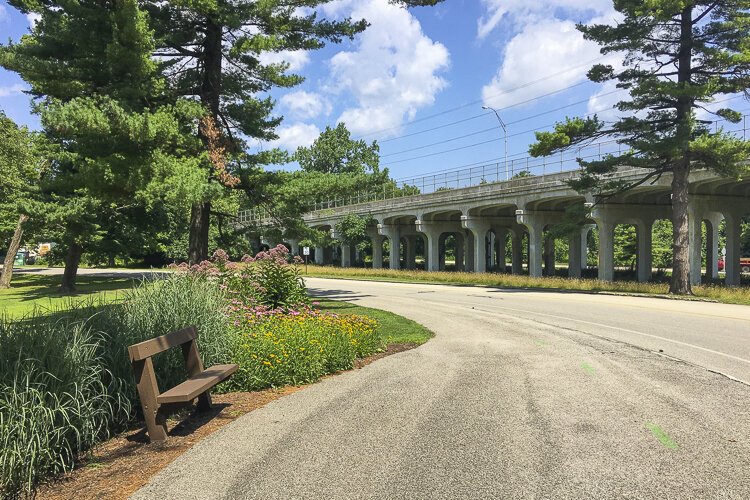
{"x": 194, "y": 386}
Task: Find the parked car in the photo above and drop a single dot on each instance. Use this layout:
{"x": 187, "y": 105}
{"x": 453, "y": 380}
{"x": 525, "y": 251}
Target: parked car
{"x": 744, "y": 264}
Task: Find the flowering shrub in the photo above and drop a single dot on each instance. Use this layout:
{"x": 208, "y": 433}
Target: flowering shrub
{"x": 276, "y": 338}
{"x": 277, "y": 348}
{"x": 270, "y": 279}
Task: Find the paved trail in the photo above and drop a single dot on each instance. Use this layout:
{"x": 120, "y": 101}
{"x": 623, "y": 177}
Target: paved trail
{"x": 520, "y": 395}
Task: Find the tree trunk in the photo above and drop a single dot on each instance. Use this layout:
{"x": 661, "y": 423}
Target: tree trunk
{"x": 71, "y": 268}
{"x": 210, "y": 95}
{"x": 680, "y": 283}
{"x": 199, "y": 224}
{"x": 15, "y": 244}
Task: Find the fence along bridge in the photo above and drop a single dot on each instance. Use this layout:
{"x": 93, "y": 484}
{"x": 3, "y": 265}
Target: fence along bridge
{"x": 483, "y": 206}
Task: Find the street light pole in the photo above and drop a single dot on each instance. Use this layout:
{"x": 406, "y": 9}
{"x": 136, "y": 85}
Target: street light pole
{"x": 505, "y": 139}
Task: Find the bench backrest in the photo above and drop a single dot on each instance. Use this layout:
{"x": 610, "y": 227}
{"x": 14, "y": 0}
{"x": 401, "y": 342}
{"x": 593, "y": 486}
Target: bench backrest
{"x": 148, "y": 348}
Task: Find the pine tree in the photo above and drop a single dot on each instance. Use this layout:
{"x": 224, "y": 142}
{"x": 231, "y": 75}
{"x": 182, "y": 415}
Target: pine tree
{"x": 679, "y": 55}
{"x": 98, "y": 92}
{"x": 212, "y": 53}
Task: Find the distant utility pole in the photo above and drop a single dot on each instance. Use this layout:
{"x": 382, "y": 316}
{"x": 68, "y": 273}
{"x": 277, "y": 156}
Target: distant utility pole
{"x": 505, "y": 139}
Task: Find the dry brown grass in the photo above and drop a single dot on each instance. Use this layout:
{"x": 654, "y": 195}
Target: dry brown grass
{"x": 737, "y": 295}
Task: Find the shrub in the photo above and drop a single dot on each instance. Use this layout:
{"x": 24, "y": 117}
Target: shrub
{"x": 271, "y": 278}
{"x": 276, "y": 349}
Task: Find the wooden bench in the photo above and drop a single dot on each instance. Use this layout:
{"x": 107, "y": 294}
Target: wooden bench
{"x": 156, "y": 405}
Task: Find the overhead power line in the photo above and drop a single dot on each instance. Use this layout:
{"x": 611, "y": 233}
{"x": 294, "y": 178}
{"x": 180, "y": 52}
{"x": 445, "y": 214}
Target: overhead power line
{"x": 520, "y": 103}
{"x": 473, "y": 103}
{"x": 495, "y": 128}
{"x": 525, "y": 153}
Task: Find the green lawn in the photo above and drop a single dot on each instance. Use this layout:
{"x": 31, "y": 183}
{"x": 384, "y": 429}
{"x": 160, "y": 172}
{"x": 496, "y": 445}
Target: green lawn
{"x": 30, "y": 291}
{"x": 394, "y": 329}
{"x": 34, "y": 291}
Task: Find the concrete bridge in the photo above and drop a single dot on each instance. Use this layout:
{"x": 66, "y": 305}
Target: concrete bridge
{"x": 481, "y": 217}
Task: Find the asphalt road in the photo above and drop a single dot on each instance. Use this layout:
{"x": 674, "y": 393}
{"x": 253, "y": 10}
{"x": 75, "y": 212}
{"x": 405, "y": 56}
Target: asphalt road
{"x": 520, "y": 395}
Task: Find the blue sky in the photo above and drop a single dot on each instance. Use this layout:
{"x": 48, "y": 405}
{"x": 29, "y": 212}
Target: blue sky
{"x": 417, "y": 79}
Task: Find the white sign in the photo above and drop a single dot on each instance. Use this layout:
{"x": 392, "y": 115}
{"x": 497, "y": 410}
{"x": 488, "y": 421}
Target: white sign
{"x": 305, "y": 250}
{"x": 724, "y": 251}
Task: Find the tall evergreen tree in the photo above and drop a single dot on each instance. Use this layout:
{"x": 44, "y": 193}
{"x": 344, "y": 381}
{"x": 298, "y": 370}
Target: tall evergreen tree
{"x": 212, "y": 54}
{"x": 97, "y": 89}
{"x": 679, "y": 55}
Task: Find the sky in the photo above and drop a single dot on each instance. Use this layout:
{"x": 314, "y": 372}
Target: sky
{"x": 416, "y": 80}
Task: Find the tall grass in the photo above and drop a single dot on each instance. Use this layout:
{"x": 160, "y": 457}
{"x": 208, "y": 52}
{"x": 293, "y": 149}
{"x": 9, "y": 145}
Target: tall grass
{"x": 161, "y": 306}
{"x": 65, "y": 379}
{"x": 57, "y": 399}
{"x": 736, "y": 295}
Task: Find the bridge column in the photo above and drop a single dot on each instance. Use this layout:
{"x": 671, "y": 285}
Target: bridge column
{"x": 393, "y": 233}
{"x": 606, "y": 219}
{"x": 294, "y": 244}
{"x": 712, "y": 246}
{"x": 377, "y": 251}
{"x": 516, "y": 243}
{"x": 460, "y": 256}
{"x": 606, "y": 250}
{"x": 575, "y": 243}
{"x": 411, "y": 251}
{"x": 320, "y": 257}
{"x": 501, "y": 235}
{"x": 469, "y": 254}
{"x": 644, "y": 263}
{"x": 695, "y": 243}
{"x": 479, "y": 230}
{"x": 732, "y": 259}
{"x": 549, "y": 256}
{"x": 346, "y": 255}
{"x": 432, "y": 232}
{"x": 535, "y": 225}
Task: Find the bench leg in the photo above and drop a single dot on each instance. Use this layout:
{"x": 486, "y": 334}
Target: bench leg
{"x": 204, "y": 401}
{"x": 156, "y": 425}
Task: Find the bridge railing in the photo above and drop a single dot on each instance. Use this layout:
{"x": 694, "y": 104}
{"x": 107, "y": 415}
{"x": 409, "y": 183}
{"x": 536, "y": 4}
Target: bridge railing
{"x": 516, "y": 166}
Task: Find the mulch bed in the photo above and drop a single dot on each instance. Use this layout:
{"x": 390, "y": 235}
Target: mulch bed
{"x": 118, "y": 467}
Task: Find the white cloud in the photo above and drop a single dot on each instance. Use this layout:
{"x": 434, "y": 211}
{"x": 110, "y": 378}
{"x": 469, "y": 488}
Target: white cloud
{"x": 306, "y": 105}
{"x": 3, "y": 14}
{"x": 394, "y": 70}
{"x": 293, "y": 136}
{"x": 14, "y": 89}
{"x": 526, "y": 12}
{"x": 297, "y": 59}
{"x": 33, "y": 18}
{"x": 552, "y": 47}
{"x": 544, "y": 42}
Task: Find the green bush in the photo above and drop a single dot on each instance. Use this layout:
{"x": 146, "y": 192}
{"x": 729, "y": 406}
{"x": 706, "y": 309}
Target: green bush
{"x": 66, "y": 382}
{"x": 161, "y": 306}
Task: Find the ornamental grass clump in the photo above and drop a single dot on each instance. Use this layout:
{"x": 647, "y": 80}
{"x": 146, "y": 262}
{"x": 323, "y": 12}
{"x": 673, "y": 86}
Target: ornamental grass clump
{"x": 279, "y": 348}
{"x": 57, "y": 399}
{"x": 65, "y": 379}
